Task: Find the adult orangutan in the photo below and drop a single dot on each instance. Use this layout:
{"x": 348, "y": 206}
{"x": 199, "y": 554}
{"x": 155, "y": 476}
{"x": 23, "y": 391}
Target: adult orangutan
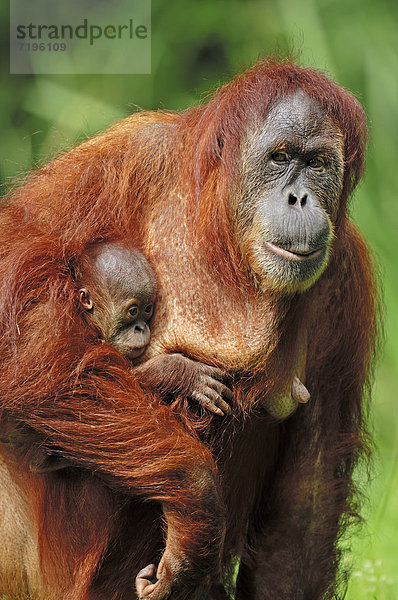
{"x": 241, "y": 207}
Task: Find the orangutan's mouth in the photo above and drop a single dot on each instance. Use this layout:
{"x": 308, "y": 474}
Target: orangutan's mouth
{"x": 298, "y": 255}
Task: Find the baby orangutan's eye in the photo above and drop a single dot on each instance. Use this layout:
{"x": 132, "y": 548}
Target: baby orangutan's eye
{"x": 133, "y": 311}
{"x": 149, "y": 310}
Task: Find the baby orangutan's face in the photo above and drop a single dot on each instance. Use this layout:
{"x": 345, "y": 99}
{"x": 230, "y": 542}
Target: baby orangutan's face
{"x": 124, "y": 323}
{"x": 131, "y": 333}
{"x": 119, "y": 297}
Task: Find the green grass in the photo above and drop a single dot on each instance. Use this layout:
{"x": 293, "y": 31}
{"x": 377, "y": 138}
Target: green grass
{"x": 374, "y": 553}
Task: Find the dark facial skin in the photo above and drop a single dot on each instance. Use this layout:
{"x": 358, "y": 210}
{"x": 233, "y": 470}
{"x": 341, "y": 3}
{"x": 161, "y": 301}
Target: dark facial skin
{"x": 133, "y": 333}
{"x": 128, "y": 288}
{"x": 291, "y": 181}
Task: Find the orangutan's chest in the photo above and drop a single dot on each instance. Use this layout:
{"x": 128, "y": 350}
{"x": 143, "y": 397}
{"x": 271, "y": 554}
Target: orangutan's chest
{"x": 215, "y": 332}
{"x": 198, "y": 315}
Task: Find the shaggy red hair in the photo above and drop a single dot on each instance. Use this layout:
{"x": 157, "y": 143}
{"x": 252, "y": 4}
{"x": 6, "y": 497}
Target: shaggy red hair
{"x": 286, "y": 486}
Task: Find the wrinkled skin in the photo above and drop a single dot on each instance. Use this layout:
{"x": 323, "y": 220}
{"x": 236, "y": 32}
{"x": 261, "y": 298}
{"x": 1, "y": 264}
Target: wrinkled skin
{"x": 291, "y": 183}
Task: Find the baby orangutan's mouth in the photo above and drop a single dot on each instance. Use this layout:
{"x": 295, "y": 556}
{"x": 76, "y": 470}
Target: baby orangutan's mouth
{"x": 135, "y": 352}
{"x": 131, "y": 352}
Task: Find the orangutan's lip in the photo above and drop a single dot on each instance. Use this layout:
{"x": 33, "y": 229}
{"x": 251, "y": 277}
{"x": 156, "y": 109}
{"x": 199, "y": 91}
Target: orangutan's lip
{"x": 130, "y": 352}
{"x": 294, "y": 254}
{"x": 138, "y": 350}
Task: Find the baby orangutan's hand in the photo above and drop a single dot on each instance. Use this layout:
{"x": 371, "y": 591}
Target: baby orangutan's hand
{"x": 177, "y": 375}
{"x": 209, "y": 389}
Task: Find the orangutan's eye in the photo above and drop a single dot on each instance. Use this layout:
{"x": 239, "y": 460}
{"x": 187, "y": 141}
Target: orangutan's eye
{"x": 133, "y": 311}
{"x": 316, "y": 163}
{"x": 280, "y": 157}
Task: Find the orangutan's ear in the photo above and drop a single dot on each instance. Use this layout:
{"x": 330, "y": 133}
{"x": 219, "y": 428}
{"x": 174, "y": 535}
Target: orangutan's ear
{"x": 85, "y": 300}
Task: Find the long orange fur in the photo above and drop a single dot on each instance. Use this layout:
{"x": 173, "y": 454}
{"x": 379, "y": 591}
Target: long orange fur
{"x": 279, "y": 493}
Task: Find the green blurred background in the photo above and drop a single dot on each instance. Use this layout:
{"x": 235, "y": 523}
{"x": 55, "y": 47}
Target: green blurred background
{"x": 195, "y": 46}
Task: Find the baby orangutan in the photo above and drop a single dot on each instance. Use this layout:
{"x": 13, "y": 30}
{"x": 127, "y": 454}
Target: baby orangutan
{"x": 118, "y": 291}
